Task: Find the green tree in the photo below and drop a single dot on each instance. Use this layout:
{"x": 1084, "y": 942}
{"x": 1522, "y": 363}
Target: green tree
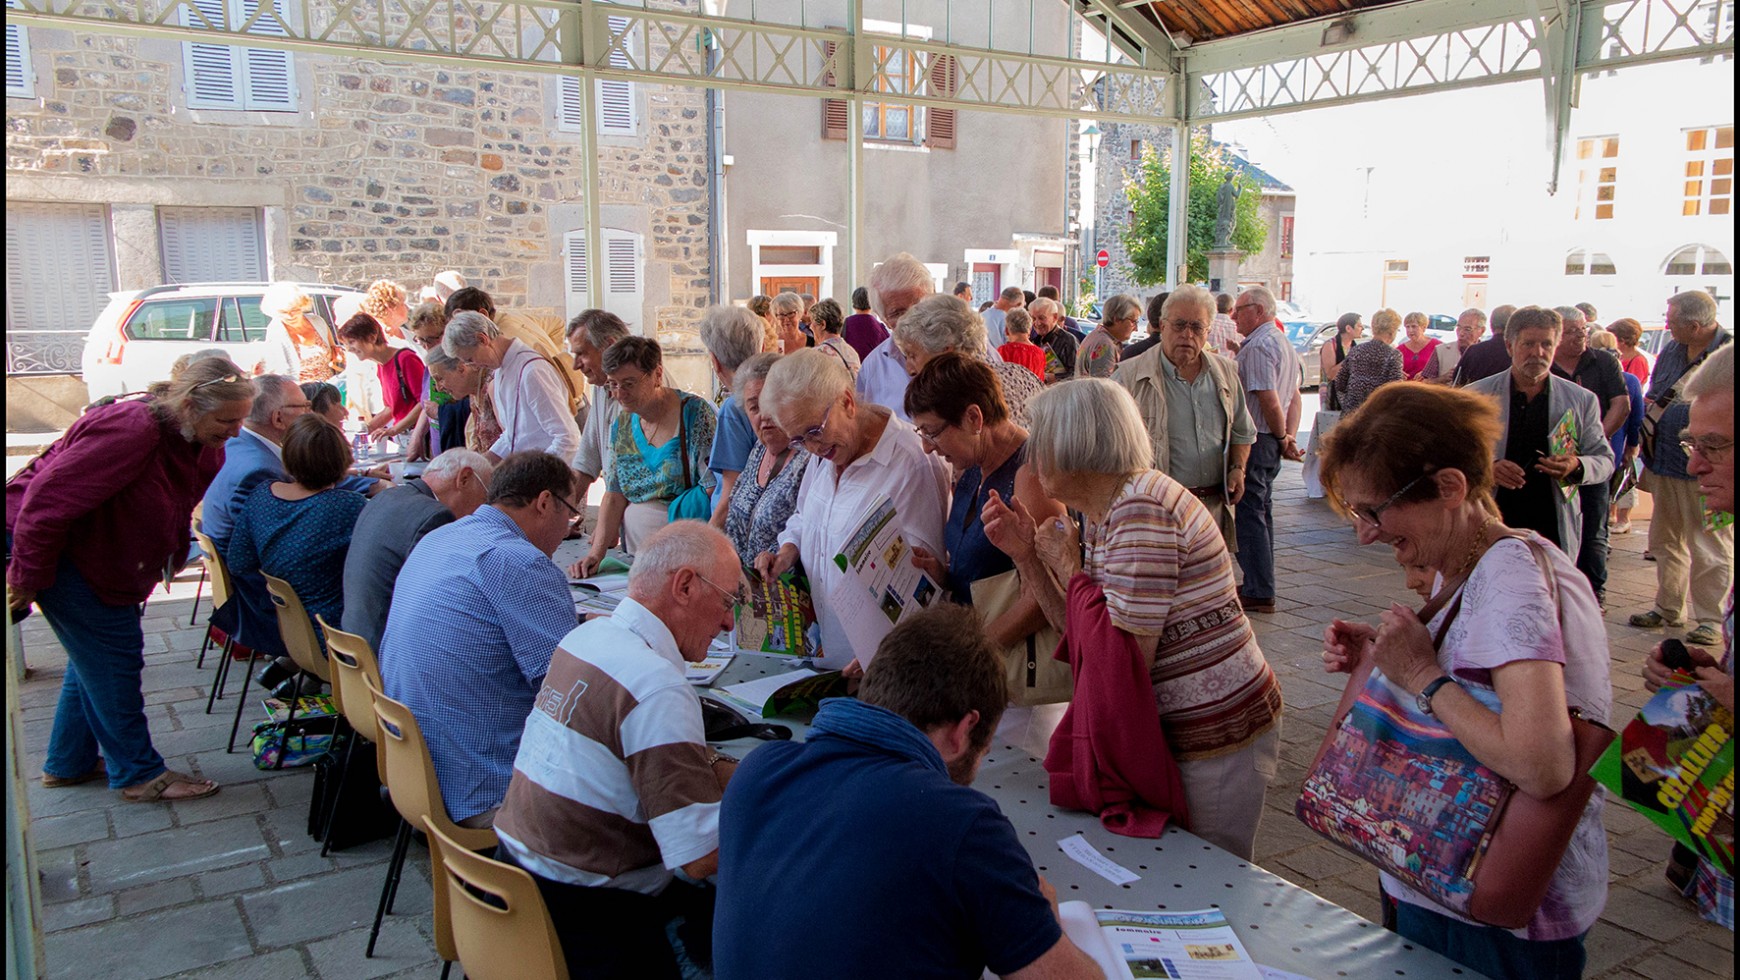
{"x": 1149, "y": 192}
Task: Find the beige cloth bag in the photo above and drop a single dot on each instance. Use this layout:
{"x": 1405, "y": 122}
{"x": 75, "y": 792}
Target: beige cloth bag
{"x": 1033, "y": 676}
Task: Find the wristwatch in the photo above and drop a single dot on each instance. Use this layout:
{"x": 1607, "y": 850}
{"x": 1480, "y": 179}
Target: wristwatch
{"x": 1423, "y": 700}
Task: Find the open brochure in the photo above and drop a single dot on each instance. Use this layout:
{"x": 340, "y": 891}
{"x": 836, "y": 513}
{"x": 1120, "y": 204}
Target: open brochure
{"x": 780, "y": 616}
{"x": 1674, "y": 763}
{"x": 882, "y": 586}
{"x": 1174, "y": 945}
{"x": 795, "y": 692}
{"x": 1562, "y": 441}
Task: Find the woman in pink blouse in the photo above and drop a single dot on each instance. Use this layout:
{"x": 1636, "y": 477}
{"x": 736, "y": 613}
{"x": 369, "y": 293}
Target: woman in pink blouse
{"x": 1417, "y": 349}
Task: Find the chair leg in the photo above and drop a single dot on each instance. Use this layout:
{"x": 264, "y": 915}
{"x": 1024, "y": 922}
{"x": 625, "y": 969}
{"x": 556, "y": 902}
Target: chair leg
{"x": 289, "y": 721}
{"x": 203, "y": 647}
{"x": 221, "y": 677}
{"x": 193, "y": 620}
{"x": 388, "y": 887}
{"x": 337, "y": 795}
{"x": 242, "y": 699}
{"x": 446, "y": 968}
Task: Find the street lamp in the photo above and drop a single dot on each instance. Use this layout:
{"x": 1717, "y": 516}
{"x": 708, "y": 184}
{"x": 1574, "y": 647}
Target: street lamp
{"x": 1092, "y": 132}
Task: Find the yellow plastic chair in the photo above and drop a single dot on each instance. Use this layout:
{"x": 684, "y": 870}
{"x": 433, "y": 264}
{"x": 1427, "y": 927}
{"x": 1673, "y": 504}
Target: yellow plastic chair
{"x": 500, "y": 925}
{"x": 304, "y": 647}
{"x": 354, "y": 670}
{"x": 222, "y": 589}
{"x": 410, "y": 778}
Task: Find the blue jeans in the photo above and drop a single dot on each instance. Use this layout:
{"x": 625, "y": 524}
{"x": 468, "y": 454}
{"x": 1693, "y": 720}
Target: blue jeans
{"x": 102, "y": 702}
{"x": 1490, "y": 950}
{"x": 1592, "y": 558}
{"x": 1254, "y": 519}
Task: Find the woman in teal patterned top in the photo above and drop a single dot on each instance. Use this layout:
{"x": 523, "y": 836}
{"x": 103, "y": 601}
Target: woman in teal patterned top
{"x": 659, "y": 447}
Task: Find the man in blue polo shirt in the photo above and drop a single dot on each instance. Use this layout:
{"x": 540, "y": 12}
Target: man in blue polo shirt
{"x": 907, "y": 871}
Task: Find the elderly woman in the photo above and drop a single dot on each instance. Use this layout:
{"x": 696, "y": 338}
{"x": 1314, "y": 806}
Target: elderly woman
{"x": 1020, "y": 348}
{"x": 1348, "y": 329}
{"x": 1627, "y": 332}
{"x": 444, "y": 420}
{"x": 400, "y": 372}
{"x": 938, "y": 324}
{"x": 1418, "y": 349}
{"x": 299, "y": 530}
{"x": 1515, "y": 646}
{"x": 326, "y": 401}
{"x": 659, "y": 446}
{"x": 762, "y": 306}
{"x": 1098, "y": 355}
{"x": 468, "y": 384}
{"x": 787, "y": 313}
{"x": 731, "y": 335}
{"x": 385, "y": 301}
{"x": 1168, "y": 582}
{"x": 957, "y": 406}
{"x": 828, "y": 320}
{"x": 1370, "y": 366}
{"x": 863, "y": 453}
{"x": 762, "y": 502}
{"x": 92, "y": 523}
{"x": 297, "y": 343}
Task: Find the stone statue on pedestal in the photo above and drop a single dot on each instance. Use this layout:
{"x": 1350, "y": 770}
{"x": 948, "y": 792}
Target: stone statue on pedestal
{"x": 1226, "y": 204}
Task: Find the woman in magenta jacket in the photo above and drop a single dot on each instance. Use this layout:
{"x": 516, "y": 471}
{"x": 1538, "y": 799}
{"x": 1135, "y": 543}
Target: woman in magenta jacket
{"x": 91, "y": 525}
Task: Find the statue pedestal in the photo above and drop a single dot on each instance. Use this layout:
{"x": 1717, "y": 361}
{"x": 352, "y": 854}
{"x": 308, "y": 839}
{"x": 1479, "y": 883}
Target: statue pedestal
{"x": 1223, "y": 270}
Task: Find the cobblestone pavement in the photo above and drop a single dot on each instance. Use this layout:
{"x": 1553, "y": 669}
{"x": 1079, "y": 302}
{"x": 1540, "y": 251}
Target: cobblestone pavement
{"x": 233, "y": 887}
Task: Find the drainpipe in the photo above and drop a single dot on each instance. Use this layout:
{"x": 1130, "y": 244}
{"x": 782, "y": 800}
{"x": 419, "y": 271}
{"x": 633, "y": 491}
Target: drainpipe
{"x": 717, "y": 253}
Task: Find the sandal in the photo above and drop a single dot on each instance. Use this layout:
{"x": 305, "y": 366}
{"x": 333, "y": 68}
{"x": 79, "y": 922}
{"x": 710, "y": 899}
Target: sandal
{"x": 51, "y": 781}
{"x": 158, "y": 790}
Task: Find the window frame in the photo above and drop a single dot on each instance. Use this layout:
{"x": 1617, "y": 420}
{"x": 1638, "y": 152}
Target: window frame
{"x": 244, "y": 61}
{"x": 1702, "y": 201}
{"x": 1590, "y": 170}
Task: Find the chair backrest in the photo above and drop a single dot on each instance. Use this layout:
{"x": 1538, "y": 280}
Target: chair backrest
{"x": 353, "y": 670}
{"x": 297, "y": 629}
{"x": 501, "y": 928}
{"x": 221, "y": 587}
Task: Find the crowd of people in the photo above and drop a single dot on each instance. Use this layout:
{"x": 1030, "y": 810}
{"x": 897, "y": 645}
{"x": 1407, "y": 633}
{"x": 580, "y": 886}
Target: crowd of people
{"x": 1125, "y": 489}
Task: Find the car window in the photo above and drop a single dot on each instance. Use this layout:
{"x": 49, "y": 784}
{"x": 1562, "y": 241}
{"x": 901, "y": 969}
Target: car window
{"x": 243, "y": 322}
{"x": 173, "y": 319}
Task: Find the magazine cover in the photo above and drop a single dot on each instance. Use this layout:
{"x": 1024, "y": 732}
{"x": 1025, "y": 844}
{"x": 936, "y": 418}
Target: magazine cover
{"x": 1674, "y": 763}
{"x": 780, "y": 616}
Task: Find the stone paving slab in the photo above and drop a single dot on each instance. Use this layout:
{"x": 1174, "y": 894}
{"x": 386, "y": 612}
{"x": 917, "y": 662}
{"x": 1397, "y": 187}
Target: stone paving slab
{"x": 231, "y": 887}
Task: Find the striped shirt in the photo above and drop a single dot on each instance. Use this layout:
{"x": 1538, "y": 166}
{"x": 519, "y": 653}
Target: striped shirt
{"x": 611, "y": 787}
{"x": 1164, "y": 567}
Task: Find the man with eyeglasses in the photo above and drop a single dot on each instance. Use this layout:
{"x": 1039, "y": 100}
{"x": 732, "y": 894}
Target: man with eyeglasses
{"x": 615, "y": 788}
{"x": 1690, "y": 555}
{"x": 1270, "y": 373}
{"x": 1599, "y": 372}
{"x": 1194, "y": 407}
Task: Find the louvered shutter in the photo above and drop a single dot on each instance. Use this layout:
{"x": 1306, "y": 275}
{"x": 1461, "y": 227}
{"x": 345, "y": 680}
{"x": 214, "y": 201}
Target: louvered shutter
{"x": 617, "y": 115}
{"x": 213, "y": 70}
{"x": 574, "y": 276}
{"x": 939, "y": 128}
{"x": 20, "y": 80}
{"x": 271, "y": 80}
{"x": 568, "y": 96}
{"x": 624, "y": 277}
{"x": 211, "y": 245}
{"x": 59, "y": 273}
{"x": 836, "y": 114}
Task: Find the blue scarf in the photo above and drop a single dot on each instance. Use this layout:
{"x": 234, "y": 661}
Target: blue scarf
{"x": 876, "y": 728}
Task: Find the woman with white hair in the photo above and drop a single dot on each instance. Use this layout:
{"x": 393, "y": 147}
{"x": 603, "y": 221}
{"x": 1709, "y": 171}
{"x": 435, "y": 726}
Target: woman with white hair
{"x": 1098, "y": 354}
{"x": 1162, "y": 563}
{"x": 468, "y": 383}
{"x": 1370, "y": 366}
{"x": 761, "y": 503}
{"x": 940, "y": 323}
{"x": 862, "y": 454}
{"x": 298, "y": 343}
{"x": 731, "y": 335}
{"x": 787, "y": 312}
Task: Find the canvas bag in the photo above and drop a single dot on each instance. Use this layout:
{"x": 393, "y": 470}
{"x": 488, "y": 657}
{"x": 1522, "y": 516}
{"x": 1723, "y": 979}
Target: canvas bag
{"x": 1033, "y": 674}
{"x": 694, "y": 503}
{"x": 1490, "y": 858}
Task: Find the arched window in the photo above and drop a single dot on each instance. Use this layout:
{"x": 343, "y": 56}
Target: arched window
{"x": 1698, "y": 260}
{"x": 1586, "y": 262}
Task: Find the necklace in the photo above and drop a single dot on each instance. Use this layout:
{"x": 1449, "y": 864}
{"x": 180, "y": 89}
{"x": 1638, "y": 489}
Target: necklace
{"x": 1474, "y": 549}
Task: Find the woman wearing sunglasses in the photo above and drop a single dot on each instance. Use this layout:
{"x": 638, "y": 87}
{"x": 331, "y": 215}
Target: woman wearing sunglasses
{"x": 91, "y": 525}
{"x": 862, "y": 453}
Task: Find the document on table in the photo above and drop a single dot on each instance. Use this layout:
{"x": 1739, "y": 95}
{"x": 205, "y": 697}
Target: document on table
{"x": 1176, "y": 945}
{"x": 703, "y": 674}
{"x": 1089, "y": 857}
{"x": 882, "y": 586}
{"x": 752, "y": 696}
{"x": 599, "y": 593}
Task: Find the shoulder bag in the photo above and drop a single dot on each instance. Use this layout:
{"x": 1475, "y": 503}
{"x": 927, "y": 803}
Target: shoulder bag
{"x": 1395, "y": 787}
{"x": 1033, "y": 674}
{"x": 694, "y": 503}
{"x": 1658, "y": 406}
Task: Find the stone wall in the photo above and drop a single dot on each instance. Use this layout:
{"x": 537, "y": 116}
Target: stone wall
{"x": 389, "y": 170}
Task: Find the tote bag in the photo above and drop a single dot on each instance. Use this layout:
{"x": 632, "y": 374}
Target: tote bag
{"x": 1034, "y": 676}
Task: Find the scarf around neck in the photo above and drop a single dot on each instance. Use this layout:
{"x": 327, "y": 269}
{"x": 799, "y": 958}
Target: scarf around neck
{"x": 876, "y": 728}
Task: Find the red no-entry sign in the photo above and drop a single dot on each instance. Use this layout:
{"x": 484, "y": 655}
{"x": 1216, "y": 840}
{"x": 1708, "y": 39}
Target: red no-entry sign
{"x": 1103, "y": 259}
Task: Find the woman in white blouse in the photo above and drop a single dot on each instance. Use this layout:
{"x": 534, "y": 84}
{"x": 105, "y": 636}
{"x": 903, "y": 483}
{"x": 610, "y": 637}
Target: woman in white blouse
{"x": 862, "y": 453}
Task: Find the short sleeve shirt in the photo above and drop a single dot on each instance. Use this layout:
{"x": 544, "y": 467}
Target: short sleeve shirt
{"x": 1098, "y": 356}
{"x": 1267, "y": 362}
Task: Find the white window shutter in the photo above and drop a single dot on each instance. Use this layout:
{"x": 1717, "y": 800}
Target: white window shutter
{"x": 271, "y": 77}
{"x": 624, "y": 276}
{"x": 568, "y": 106}
{"x": 213, "y": 70}
{"x": 617, "y": 115}
{"x": 211, "y": 244}
{"x": 574, "y": 276}
{"x": 20, "y": 80}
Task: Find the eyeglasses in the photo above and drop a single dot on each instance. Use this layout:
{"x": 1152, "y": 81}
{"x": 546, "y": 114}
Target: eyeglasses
{"x": 1372, "y": 515}
{"x": 294, "y": 405}
{"x": 1195, "y": 326}
{"x": 616, "y": 387}
{"x": 579, "y": 515}
{"x": 228, "y": 379}
{"x": 930, "y": 437}
{"x": 813, "y": 433}
{"x": 1706, "y": 447}
{"x": 736, "y": 598}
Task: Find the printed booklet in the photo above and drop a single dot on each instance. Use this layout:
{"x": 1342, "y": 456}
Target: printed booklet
{"x": 1172, "y": 945}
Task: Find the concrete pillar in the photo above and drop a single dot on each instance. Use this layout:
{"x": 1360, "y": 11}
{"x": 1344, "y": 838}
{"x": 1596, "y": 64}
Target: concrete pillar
{"x": 138, "y": 255}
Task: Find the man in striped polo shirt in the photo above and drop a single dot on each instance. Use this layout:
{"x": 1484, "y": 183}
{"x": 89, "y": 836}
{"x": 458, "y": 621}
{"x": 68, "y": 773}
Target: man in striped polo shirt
{"x": 614, "y": 788}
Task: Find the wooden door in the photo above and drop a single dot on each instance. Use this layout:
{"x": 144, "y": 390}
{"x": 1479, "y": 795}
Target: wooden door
{"x": 774, "y": 285}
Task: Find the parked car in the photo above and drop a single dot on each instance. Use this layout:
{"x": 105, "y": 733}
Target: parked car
{"x": 138, "y": 336}
{"x": 1308, "y": 338}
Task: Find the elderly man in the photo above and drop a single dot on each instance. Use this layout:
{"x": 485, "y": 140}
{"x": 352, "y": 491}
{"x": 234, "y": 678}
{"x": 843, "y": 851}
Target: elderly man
{"x": 1488, "y": 357}
{"x": 1194, "y": 407}
{"x": 1529, "y": 468}
{"x": 453, "y": 486}
{"x": 615, "y": 788}
{"x": 1687, "y": 550}
{"x": 895, "y": 287}
{"x": 1059, "y": 344}
{"x": 996, "y": 323}
{"x": 250, "y": 459}
{"x": 1223, "y": 333}
{"x": 889, "y": 773}
{"x": 1069, "y": 324}
{"x": 533, "y": 401}
{"x": 1469, "y": 328}
{"x": 1269, "y": 373}
{"x": 476, "y": 612}
{"x": 590, "y": 334}
{"x": 1600, "y": 373}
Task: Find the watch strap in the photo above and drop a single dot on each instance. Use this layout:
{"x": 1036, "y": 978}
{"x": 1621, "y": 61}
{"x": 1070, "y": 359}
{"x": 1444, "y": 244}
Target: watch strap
{"x": 1424, "y": 699}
